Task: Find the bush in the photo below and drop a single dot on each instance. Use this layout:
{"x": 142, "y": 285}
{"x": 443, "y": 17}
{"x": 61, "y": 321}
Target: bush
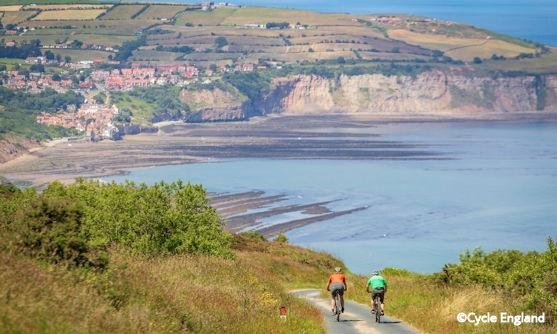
{"x": 52, "y": 230}
{"x": 221, "y": 42}
{"x": 281, "y": 238}
{"x": 76, "y": 223}
{"x": 251, "y": 84}
{"x": 530, "y": 277}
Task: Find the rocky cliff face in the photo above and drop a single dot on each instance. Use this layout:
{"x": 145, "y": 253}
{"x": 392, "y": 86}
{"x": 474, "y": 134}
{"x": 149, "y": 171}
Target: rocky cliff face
{"x": 12, "y": 147}
{"x": 429, "y": 93}
{"x": 433, "y": 92}
{"x": 210, "y": 105}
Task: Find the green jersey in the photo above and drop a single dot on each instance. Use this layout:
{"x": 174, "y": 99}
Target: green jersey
{"x": 377, "y": 282}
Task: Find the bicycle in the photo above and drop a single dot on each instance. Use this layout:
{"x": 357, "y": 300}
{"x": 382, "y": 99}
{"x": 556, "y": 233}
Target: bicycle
{"x": 338, "y": 306}
{"x": 377, "y": 308}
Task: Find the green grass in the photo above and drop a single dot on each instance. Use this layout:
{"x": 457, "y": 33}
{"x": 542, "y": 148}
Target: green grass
{"x": 142, "y": 111}
{"x": 179, "y": 293}
{"x": 11, "y": 62}
{"x": 204, "y": 18}
{"x": 78, "y": 55}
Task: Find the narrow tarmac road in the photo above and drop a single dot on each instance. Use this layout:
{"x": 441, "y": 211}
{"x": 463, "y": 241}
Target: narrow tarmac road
{"x": 355, "y": 319}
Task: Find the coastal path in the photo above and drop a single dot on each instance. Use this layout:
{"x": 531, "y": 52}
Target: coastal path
{"x": 356, "y": 318}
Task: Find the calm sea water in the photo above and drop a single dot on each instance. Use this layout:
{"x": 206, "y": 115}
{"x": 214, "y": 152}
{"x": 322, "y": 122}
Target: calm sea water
{"x": 530, "y": 19}
{"x": 498, "y": 191}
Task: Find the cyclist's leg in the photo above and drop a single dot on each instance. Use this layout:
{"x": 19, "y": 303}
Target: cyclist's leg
{"x": 342, "y": 300}
{"x": 383, "y": 302}
{"x": 333, "y": 306}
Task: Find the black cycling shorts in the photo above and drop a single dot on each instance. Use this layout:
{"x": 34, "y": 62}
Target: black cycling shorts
{"x": 337, "y": 288}
{"x": 380, "y": 293}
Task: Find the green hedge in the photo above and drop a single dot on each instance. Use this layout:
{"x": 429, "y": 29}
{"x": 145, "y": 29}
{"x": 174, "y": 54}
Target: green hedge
{"x": 76, "y": 223}
{"x": 530, "y": 277}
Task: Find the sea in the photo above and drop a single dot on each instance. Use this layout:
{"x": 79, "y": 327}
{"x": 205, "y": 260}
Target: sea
{"x": 533, "y": 20}
{"x": 494, "y": 188}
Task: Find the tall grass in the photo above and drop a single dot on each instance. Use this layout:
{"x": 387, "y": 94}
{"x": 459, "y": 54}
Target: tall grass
{"x": 164, "y": 294}
{"x": 431, "y": 307}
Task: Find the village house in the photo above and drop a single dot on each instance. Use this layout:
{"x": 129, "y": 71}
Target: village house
{"x": 93, "y": 119}
{"x": 35, "y": 82}
{"x": 138, "y": 76}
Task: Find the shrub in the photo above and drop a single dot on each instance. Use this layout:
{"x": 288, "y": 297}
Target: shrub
{"x": 530, "y": 277}
{"x": 52, "y": 230}
{"x": 221, "y": 42}
{"x": 281, "y": 238}
{"x": 77, "y": 222}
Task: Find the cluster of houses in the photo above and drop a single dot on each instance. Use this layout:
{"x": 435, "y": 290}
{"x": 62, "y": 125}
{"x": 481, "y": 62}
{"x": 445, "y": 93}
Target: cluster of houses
{"x": 36, "y": 82}
{"x": 137, "y": 76}
{"x": 93, "y": 119}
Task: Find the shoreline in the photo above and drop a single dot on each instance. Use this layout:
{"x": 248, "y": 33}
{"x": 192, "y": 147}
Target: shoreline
{"x": 180, "y": 143}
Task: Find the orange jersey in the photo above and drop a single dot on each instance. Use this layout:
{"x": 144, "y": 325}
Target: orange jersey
{"x": 337, "y": 278}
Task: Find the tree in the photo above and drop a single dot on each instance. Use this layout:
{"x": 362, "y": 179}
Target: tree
{"x": 49, "y": 55}
{"x": 76, "y": 44}
{"x": 56, "y": 77}
{"x": 100, "y": 98}
{"x": 477, "y": 60}
{"x": 341, "y": 60}
{"x": 437, "y": 53}
{"x": 277, "y": 25}
{"x": 221, "y": 42}
{"x": 67, "y": 59}
{"x": 36, "y": 68}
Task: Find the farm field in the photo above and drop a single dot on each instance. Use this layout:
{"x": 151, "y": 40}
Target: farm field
{"x": 236, "y": 35}
{"x": 69, "y": 14}
{"x": 122, "y": 12}
{"x": 79, "y": 55}
{"x": 461, "y": 48}
{"x": 67, "y": 6}
{"x": 16, "y": 17}
{"x": 10, "y": 8}
{"x": 262, "y": 15}
{"x": 159, "y": 12}
{"x": 546, "y": 63}
{"x": 204, "y": 18}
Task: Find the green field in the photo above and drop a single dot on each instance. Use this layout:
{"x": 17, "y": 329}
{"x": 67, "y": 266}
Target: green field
{"x": 319, "y": 36}
{"x": 122, "y": 12}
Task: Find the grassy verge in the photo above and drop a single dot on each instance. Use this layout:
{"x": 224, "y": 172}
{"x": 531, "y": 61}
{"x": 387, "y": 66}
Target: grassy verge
{"x": 431, "y": 306}
{"x": 96, "y": 258}
{"x": 164, "y": 294}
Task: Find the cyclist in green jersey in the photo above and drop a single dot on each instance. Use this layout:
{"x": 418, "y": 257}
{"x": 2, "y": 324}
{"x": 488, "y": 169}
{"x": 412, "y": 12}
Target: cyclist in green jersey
{"x": 377, "y": 286}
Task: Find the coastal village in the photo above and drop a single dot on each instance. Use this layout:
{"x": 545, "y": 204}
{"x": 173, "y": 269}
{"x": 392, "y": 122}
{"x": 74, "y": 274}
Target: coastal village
{"x": 94, "y": 120}
{"x": 88, "y": 78}
{"x": 126, "y": 49}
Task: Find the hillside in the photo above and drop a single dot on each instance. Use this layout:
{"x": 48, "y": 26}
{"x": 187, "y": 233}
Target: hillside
{"x": 159, "y": 261}
{"x": 155, "y": 62}
{"x": 233, "y": 35}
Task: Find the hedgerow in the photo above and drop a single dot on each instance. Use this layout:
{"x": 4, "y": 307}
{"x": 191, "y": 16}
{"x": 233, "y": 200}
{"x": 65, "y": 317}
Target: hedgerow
{"x": 76, "y": 223}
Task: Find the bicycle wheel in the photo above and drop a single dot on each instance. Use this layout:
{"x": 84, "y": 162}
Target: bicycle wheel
{"x": 377, "y": 306}
{"x": 338, "y": 307}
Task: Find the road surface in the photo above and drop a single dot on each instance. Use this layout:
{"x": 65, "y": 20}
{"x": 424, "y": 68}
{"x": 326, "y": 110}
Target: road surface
{"x": 355, "y": 319}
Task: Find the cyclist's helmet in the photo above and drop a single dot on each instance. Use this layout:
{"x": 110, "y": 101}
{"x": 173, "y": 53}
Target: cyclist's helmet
{"x": 375, "y": 273}
{"x": 338, "y": 269}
